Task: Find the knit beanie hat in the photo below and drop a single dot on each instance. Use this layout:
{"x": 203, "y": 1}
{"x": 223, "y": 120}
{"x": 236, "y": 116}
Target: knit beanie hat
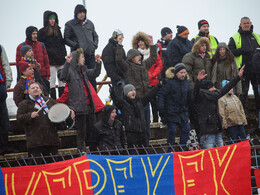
{"x": 206, "y": 84}
{"x": 202, "y": 22}
{"x": 224, "y": 82}
{"x": 24, "y": 49}
{"x": 28, "y": 32}
{"x": 79, "y": 8}
{"x": 52, "y": 16}
{"x": 132, "y": 53}
{"x": 127, "y": 88}
{"x": 165, "y": 31}
{"x": 182, "y": 30}
{"x": 23, "y": 65}
{"x": 178, "y": 67}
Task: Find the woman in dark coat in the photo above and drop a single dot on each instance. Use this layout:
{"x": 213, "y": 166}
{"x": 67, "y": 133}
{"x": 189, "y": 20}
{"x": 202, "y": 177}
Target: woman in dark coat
{"x": 51, "y": 36}
{"x": 109, "y": 130}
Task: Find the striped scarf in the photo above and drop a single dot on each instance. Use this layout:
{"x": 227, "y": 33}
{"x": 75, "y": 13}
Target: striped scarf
{"x": 28, "y": 82}
{"x": 29, "y": 60}
{"x": 202, "y": 55}
{"x": 39, "y": 102}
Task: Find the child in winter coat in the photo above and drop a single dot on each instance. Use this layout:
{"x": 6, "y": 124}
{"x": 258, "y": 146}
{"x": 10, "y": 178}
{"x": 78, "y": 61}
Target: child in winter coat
{"x": 233, "y": 115}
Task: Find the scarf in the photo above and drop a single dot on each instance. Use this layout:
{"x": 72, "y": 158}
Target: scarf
{"x": 145, "y": 53}
{"x": 29, "y": 60}
{"x": 202, "y": 55}
{"x": 40, "y": 102}
{"x": 28, "y": 82}
{"x": 82, "y": 22}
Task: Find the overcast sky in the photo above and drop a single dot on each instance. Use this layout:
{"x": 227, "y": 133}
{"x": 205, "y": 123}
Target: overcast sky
{"x": 132, "y": 16}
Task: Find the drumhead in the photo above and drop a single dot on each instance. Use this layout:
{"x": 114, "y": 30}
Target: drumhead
{"x": 59, "y": 113}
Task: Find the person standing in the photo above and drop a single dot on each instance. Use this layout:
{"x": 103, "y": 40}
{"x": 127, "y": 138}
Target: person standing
{"x": 109, "y": 60}
{"x": 51, "y": 36}
{"x": 198, "y": 59}
{"x": 179, "y": 46}
{"x": 39, "y": 53}
{"x": 224, "y": 68}
{"x": 80, "y": 33}
{"x": 203, "y": 27}
{"x": 176, "y": 97}
{"x": 77, "y": 75}
{"x": 6, "y": 79}
{"x": 243, "y": 45}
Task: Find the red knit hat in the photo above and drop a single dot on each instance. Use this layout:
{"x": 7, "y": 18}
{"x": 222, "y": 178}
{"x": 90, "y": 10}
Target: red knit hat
{"x": 23, "y": 65}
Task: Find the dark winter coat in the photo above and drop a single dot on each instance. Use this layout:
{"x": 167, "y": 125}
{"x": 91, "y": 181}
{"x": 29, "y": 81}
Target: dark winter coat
{"x": 210, "y": 121}
{"x": 194, "y": 63}
{"x": 256, "y": 64}
{"x": 136, "y": 74}
{"x": 109, "y": 60}
{"x": 248, "y": 47}
{"x": 175, "y": 98}
{"x": 78, "y": 36}
{"x": 39, "y": 53}
{"x": 133, "y": 110}
{"x": 109, "y": 136}
{"x": 71, "y": 73}
{"x": 164, "y": 44}
{"x": 54, "y": 44}
{"x": 39, "y": 131}
{"x": 177, "y": 48}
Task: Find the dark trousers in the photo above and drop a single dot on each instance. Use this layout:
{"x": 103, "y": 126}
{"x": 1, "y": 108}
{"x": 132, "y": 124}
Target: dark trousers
{"x": 85, "y": 125}
{"x": 147, "y": 120}
{"x": 236, "y": 132}
{"x": 4, "y": 119}
{"x": 247, "y": 78}
{"x": 90, "y": 63}
{"x": 45, "y": 151}
{"x": 154, "y": 109}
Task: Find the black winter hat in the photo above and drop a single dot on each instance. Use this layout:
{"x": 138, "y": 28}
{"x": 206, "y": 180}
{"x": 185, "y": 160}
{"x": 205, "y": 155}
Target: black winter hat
{"x": 79, "y": 8}
{"x": 202, "y": 22}
{"x": 206, "y": 84}
{"x": 178, "y": 67}
{"x": 165, "y": 31}
{"x": 28, "y": 32}
{"x": 182, "y": 30}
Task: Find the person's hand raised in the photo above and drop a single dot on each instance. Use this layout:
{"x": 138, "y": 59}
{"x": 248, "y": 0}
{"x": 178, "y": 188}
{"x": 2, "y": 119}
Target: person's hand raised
{"x": 201, "y": 75}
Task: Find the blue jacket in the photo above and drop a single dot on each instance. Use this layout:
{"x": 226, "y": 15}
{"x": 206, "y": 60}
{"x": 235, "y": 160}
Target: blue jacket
{"x": 175, "y": 98}
{"x": 177, "y": 48}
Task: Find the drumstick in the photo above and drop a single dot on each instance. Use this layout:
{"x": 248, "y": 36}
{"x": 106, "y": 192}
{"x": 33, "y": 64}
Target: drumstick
{"x": 42, "y": 106}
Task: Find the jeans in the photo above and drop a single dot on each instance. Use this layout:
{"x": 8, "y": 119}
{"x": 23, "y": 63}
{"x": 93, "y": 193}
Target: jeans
{"x": 185, "y": 130}
{"x": 236, "y": 132}
{"x": 211, "y": 140}
{"x": 147, "y": 120}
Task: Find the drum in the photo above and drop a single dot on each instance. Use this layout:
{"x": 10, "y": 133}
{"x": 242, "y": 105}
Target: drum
{"x": 60, "y": 114}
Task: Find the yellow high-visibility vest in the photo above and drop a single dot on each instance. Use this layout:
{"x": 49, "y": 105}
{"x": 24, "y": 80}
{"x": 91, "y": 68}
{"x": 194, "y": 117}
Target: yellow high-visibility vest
{"x": 213, "y": 45}
{"x": 238, "y": 42}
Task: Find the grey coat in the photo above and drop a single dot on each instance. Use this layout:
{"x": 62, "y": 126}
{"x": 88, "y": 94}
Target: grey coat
{"x": 71, "y": 73}
{"x": 78, "y": 36}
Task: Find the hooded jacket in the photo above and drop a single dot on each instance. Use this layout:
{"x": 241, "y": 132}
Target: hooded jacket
{"x": 175, "y": 98}
{"x": 177, "y": 48}
{"x": 136, "y": 74}
{"x": 221, "y": 72}
{"x": 71, "y": 73}
{"x": 83, "y": 36}
{"x": 39, "y": 53}
{"x": 109, "y": 60}
{"x": 248, "y": 47}
{"x": 109, "y": 136}
{"x": 194, "y": 63}
{"x": 157, "y": 67}
{"x": 55, "y": 45}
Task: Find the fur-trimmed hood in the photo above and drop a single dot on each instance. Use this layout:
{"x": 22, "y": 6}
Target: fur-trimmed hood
{"x": 140, "y": 36}
{"x": 169, "y": 73}
{"x": 198, "y": 42}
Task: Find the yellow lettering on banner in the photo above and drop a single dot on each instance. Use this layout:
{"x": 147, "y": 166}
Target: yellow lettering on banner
{"x": 13, "y": 184}
{"x": 196, "y": 167}
{"x": 61, "y": 179}
{"x": 85, "y": 178}
{"x": 36, "y": 183}
{"x": 220, "y": 163}
{"x": 153, "y": 172}
{"x": 129, "y": 163}
{"x": 6, "y": 186}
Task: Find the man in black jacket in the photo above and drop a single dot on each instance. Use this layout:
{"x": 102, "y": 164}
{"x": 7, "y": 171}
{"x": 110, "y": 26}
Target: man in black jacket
{"x": 80, "y": 33}
{"x": 206, "y": 99}
{"x": 109, "y": 60}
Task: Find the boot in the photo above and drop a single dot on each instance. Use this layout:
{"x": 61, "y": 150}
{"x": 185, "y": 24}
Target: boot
{"x": 53, "y": 93}
{"x": 61, "y": 90}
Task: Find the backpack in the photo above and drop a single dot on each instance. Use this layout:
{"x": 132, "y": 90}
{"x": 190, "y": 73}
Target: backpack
{"x": 43, "y": 46}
